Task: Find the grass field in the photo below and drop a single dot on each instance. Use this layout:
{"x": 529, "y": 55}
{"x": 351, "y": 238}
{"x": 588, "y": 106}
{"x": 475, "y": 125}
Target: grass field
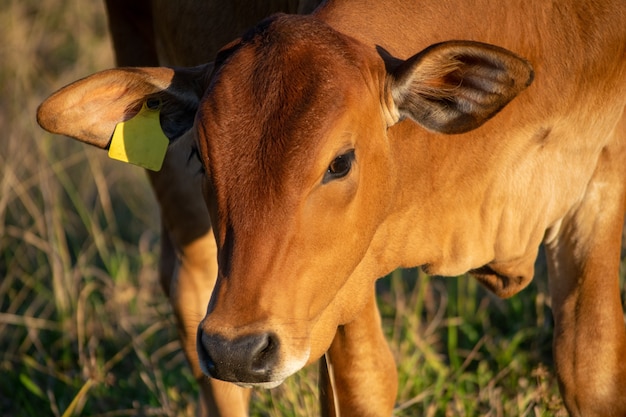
{"x": 85, "y": 329}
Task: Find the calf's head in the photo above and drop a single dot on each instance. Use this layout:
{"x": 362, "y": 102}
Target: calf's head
{"x": 292, "y": 127}
{"x": 293, "y": 132}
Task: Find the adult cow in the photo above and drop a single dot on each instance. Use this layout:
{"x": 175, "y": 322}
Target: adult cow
{"x": 341, "y": 146}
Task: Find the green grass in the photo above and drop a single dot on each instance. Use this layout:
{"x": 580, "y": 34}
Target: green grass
{"x": 85, "y": 328}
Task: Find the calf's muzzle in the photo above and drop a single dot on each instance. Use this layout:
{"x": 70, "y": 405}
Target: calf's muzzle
{"x": 244, "y": 360}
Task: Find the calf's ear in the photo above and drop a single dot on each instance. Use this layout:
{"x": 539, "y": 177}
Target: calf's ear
{"x": 89, "y": 109}
{"x": 456, "y": 86}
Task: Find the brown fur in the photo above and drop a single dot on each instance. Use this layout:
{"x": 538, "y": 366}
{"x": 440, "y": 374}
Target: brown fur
{"x": 482, "y": 201}
{"x": 301, "y": 254}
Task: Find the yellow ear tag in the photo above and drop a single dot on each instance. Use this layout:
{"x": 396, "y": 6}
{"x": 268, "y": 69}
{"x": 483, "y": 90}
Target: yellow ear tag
{"x": 140, "y": 140}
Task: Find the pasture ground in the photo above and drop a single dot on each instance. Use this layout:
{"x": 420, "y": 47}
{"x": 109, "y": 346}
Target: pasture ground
{"x": 85, "y": 328}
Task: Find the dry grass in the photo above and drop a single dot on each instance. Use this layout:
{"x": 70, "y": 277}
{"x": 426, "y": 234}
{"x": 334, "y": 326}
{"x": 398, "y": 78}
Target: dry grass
{"x": 84, "y": 327}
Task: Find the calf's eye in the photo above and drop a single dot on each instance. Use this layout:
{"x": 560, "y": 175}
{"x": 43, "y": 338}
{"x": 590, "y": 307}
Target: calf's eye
{"x": 339, "y": 167}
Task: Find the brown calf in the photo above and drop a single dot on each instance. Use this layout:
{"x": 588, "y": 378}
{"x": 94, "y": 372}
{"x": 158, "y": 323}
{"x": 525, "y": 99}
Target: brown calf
{"x": 342, "y": 146}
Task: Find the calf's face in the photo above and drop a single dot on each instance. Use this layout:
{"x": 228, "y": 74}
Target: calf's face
{"x": 295, "y": 194}
{"x": 293, "y": 134}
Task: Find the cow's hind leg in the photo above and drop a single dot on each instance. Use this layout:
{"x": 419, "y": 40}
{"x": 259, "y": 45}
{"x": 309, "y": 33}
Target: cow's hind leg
{"x": 584, "y": 257}
{"x": 359, "y": 375}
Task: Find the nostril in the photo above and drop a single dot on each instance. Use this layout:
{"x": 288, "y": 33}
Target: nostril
{"x": 264, "y": 355}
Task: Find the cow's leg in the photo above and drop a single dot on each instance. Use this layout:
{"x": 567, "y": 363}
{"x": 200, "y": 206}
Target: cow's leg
{"x": 189, "y": 290}
{"x": 189, "y": 295}
{"x": 589, "y": 336}
{"x": 360, "y": 376}
{"x": 189, "y": 268}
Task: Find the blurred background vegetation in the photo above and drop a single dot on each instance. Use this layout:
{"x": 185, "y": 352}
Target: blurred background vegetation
{"x": 85, "y": 328}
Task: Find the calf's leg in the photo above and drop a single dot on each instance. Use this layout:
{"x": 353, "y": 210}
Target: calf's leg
{"x": 584, "y": 256}
{"x": 358, "y": 376}
{"x": 189, "y": 268}
{"x": 189, "y": 295}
